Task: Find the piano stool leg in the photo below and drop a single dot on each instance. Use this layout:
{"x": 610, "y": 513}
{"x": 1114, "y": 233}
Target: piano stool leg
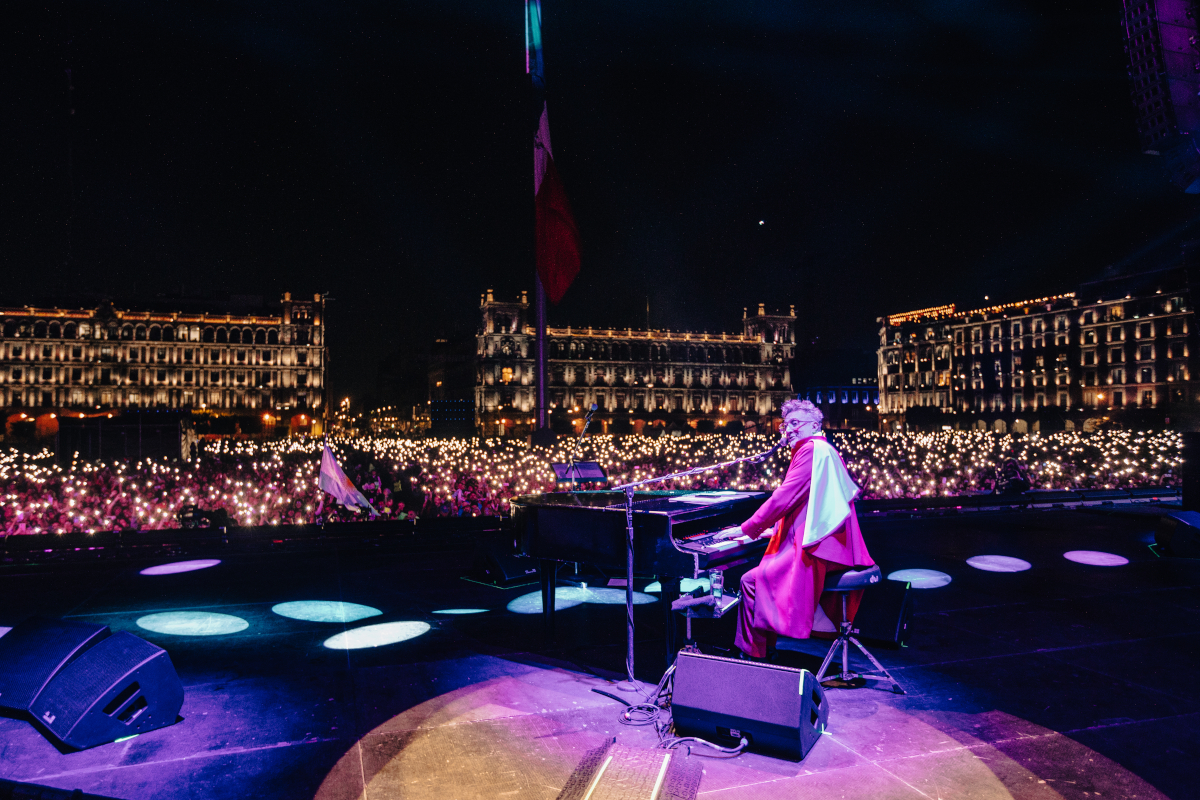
{"x": 547, "y": 575}
{"x": 669, "y": 594}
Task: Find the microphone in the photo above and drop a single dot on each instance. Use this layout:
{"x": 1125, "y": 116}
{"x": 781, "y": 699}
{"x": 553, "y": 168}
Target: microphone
{"x": 758, "y": 459}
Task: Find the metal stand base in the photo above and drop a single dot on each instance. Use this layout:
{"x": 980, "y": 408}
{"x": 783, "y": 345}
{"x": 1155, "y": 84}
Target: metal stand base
{"x": 844, "y": 640}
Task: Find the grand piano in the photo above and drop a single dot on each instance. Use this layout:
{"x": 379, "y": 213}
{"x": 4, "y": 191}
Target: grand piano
{"x": 677, "y": 534}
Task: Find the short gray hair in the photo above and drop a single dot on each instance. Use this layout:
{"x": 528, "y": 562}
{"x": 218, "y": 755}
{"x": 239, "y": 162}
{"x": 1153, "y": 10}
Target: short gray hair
{"x": 805, "y": 409}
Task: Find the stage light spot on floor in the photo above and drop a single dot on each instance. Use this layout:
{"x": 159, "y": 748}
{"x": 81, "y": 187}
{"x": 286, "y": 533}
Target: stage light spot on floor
{"x": 612, "y": 597}
{"x": 686, "y": 586}
{"x": 376, "y": 635}
{"x": 568, "y": 596}
{"x": 325, "y": 611}
{"x": 920, "y": 578}
{"x": 181, "y": 566}
{"x": 462, "y": 611}
{"x": 1096, "y": 558}
{"x": 192, "y": 623}
{"x": 998, "y": 563}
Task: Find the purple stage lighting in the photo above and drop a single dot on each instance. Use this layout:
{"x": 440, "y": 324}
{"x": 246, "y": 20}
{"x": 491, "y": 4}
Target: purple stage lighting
{"x": 181, "y": 566}
{"x": 1096, "y": 558}
{"x": 998, "y": 563}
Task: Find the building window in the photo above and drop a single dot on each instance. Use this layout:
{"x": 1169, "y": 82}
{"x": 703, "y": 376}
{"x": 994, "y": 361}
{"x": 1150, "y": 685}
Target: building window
{"x": 1116, "y": 334}
{"x": 16, "y": 374}
{"x": 1148, "y": 399}
{"x": 187, "y": 376}
{"x": 1146, "y": 352}
{"x": 77, "y": 375}
{"x": 214, "y": 378}
{"x": 1145, "y": 330}
{"x": 47, "y": 373}
{"x": 1062, "y": 400}
{"x": 133, "y": 376}
{"x": 76, "y": 353}
{"x": 506, "y": 375}
{"x": 1118, "y": 399}
{"x": 187, "y": 355}
{"x": 1147, "y": 375}
{"x": 162, "y": 376}
{"x": 47, "y": 351}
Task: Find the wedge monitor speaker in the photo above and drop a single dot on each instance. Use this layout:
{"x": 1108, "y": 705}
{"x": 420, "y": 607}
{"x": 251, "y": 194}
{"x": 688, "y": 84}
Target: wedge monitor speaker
{"x": 781, "y": 711}
{"x": 85, "y": 685}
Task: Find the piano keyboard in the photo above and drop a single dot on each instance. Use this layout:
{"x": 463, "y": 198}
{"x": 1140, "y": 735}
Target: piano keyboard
{"x": 716, "y": 542}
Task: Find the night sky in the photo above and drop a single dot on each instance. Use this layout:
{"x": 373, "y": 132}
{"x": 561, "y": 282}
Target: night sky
{"x": 899, "y": 155}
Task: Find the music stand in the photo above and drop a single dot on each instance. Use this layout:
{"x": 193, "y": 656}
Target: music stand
{"x": 579, "y": 472}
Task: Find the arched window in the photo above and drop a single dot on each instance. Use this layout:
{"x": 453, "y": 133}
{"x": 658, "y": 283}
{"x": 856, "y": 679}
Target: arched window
{"x": 168, "y": 333}
{"x": 247, "y": 336}
{"x": 222, "y": 336}
{"x": 69, "y": 331}
{"x": 55, "y": 331}
{"x": 139, "y": 333}
{"x": 155, "y": 333}
{"x": 273, "y": 336}
{"x": 39, "y": 330}
{"x": 127, "y": 333}
{"x": 235, "y": 336}
{"x": 208, "y": 335}
{"x": 260, "y": 336}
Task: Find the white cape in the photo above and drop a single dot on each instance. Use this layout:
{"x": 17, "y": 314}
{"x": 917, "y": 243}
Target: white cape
{"x": 829, "y": 494}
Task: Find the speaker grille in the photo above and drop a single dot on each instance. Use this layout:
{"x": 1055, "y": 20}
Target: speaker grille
{"x": 87, "y": 679}
{"x": 34, "y": 651}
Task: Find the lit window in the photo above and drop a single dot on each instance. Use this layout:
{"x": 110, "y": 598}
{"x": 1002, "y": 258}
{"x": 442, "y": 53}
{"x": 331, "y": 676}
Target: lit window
{"x": 506, "y": 375}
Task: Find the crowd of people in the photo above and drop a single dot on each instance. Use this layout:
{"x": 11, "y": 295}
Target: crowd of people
{"x": 276, "y": 482}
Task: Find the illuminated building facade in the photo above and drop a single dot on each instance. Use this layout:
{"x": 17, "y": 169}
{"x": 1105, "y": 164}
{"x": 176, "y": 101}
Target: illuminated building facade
{"x": 105, "y": 358}
{"x": 1114, "y": 347}
{"x": 635, "y": 377}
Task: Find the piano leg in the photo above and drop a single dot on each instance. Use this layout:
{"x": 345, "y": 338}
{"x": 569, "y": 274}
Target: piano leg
{"x": 669, "y": 594}
{"x": 547, "y": 574}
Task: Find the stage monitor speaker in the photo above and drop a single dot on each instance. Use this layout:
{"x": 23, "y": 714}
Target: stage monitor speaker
{"x": 33, "y": 652}
{"x": 121, "y": 686}
{"x": 1177, "y": 533}
{"x": 883, "y": 615}
{"x": 781, "y": 711}
{"x": 496, "y": 564}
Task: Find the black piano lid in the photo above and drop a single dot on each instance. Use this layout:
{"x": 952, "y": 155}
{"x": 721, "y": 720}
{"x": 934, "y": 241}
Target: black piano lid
{"x": 663, "y": 501}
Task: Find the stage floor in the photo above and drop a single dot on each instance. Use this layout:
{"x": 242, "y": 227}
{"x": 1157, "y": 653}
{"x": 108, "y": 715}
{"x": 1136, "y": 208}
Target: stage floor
{"x": 1065, "y": 680}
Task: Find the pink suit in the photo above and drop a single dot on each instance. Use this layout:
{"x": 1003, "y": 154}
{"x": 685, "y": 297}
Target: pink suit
{"x": 780, "y": 596}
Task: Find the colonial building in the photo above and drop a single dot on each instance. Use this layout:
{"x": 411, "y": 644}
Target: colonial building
{"x": 635, "y": 377}
{"x": 1113, "y": 347}
{"x": 105, "y": 358}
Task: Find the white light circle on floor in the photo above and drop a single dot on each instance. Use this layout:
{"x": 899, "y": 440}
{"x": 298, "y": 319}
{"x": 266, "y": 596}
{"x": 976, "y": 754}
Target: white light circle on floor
{"x": 568, "y": 596}
{"x": 1096, "y": 558}
{"x": 376, "y": 635}
{"x": 192, "y": 623}
{"x": 686, "y": 585}
{"x": 462, "y": 611}
{"x": 325, "y": 611}
{"x": 998, "y": 563}
{"x": 920, "y": 578}
{"x": 181, "y": 566}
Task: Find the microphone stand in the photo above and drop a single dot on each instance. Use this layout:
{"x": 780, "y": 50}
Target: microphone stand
{"x": 629, "y": 489}
{"x": 571, "y": 469}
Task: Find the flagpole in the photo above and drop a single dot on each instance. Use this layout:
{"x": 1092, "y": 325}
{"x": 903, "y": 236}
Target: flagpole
{"x": 539, "y": 301}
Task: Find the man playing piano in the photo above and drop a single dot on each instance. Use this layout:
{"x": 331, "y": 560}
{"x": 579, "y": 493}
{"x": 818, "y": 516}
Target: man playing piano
{"x": 814, "y": 532}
